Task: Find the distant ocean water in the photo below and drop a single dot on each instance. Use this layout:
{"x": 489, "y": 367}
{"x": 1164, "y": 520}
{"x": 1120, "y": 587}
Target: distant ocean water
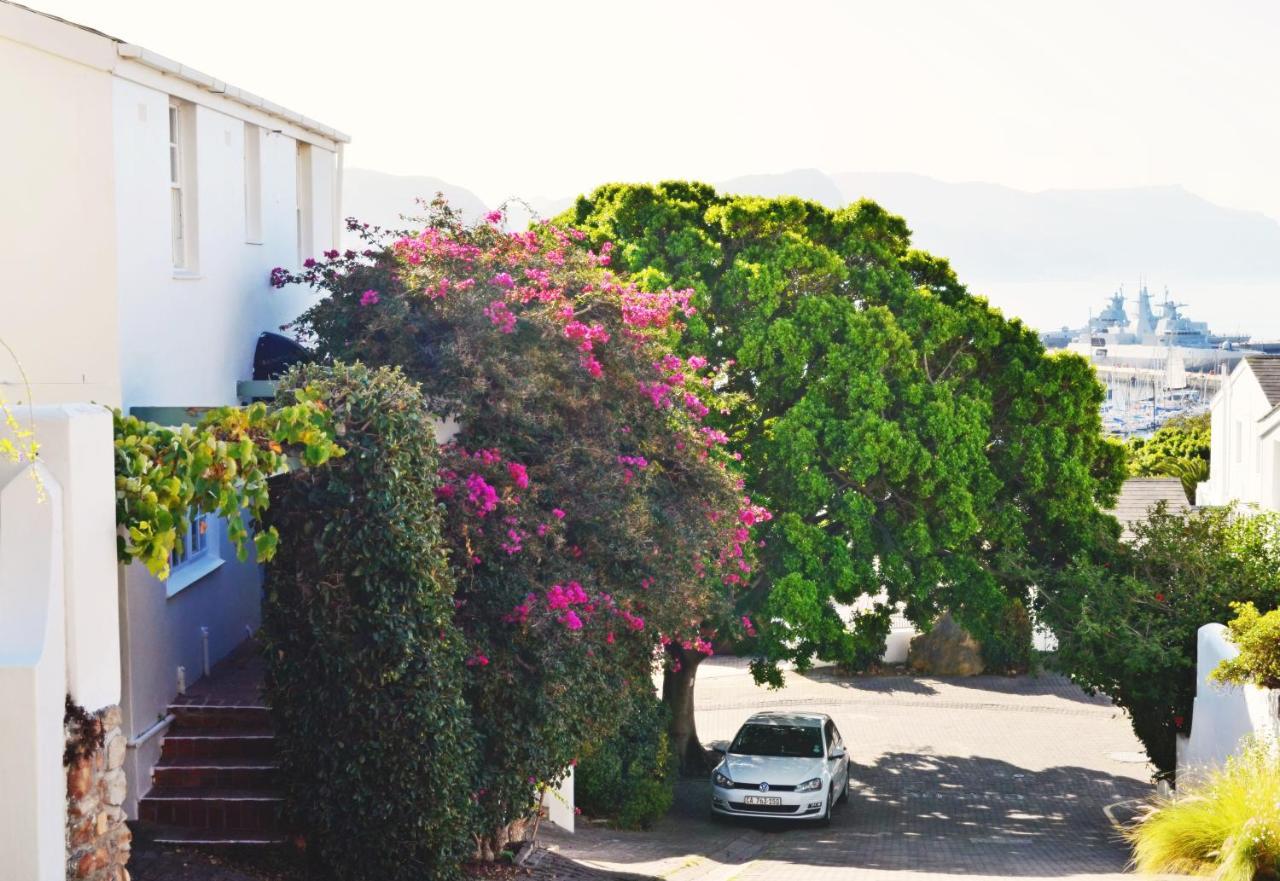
{"x": 1233, "y": 307}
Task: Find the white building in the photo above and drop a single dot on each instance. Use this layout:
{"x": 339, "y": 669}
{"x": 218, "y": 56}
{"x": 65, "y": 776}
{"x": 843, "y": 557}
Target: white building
{"x": 144, "y": 205}
{"x": 1244, "y": 460}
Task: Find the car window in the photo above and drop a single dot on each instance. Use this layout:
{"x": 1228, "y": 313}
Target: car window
{"x": 830, "y": 729}
{"x": 837, "y": 740}
{"x": 794, "y": 741}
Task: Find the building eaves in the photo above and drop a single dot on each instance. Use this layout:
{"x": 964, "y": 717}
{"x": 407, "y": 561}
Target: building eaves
{"x": 168, "y": 66}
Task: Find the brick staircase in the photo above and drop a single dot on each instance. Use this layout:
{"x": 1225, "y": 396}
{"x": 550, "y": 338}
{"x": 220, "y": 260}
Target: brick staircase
{"x": 215, "y": 783}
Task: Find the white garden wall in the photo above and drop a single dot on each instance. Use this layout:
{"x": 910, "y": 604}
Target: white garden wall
{"x": 58, "y": 624}
{"x": 1224, "y": 716}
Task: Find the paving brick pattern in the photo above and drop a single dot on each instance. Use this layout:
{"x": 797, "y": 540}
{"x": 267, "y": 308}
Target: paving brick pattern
{"x": 984, "y": 778}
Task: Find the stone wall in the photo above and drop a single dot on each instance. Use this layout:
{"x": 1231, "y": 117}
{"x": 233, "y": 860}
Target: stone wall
{"x": 98, "y": 840}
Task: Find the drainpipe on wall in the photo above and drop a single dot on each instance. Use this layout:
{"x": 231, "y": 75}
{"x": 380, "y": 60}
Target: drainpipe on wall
{"x": 337, "y": 199}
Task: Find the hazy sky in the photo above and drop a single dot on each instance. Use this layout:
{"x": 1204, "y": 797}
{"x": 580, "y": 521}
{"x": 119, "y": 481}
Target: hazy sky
{"x": 550, "y": 98}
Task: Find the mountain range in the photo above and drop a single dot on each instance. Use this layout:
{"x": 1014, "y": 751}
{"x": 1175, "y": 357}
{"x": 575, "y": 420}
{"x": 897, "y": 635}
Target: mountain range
{"x": 996, "y": 237}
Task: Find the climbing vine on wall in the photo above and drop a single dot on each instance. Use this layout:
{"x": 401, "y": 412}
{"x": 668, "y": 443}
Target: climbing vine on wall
{"x": 219, "y": 466}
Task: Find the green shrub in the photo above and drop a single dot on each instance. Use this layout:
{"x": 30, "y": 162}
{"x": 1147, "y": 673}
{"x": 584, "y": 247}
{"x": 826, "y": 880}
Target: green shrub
{"x": 628, "y": 778}
{"x": 1127, "y": 624}
{"x": 1258, "y": 638}
{"x": 364, "y": 663}
{"x": 1228, "y": 826}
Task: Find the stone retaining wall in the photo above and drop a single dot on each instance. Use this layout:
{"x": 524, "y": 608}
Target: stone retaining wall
{"x": 98, "y": 840}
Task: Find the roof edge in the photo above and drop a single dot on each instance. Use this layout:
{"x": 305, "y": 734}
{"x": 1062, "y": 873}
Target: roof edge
{"x": 169, "y": 67}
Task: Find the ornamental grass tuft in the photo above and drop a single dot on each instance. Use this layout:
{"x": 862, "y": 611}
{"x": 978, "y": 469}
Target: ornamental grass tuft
{"x": 1227, "y": 826}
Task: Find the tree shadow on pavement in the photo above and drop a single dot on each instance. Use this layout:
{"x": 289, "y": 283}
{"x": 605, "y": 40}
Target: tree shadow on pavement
{"x": 964, "y": 815}
{"x": 907, "y": 812}
{"x": 1025, "y": 685}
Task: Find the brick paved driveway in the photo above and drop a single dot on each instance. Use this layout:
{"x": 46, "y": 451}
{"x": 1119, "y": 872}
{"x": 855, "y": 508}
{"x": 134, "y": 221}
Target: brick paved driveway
{"x": 983, "y": 777}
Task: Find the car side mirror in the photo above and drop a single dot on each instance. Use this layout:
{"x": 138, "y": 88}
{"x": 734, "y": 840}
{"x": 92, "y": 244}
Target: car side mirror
{"x": 837, "y": 753}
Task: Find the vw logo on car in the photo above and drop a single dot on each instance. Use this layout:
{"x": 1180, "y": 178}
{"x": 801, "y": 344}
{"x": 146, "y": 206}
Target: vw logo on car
{"x": 802, "y": 753}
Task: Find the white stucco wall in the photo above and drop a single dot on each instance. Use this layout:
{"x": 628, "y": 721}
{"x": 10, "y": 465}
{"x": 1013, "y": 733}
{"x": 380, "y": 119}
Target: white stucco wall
{"x": 57, "y": 226}
{"x": 32, "y": 678}
{"x": 1223, "y": 716}
{"x": 187, "y": 338}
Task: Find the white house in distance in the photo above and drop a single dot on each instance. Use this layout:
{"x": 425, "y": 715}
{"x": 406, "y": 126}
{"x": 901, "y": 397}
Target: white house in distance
{"x": 1244, "y": 459}
{"x": 144, "y": 205}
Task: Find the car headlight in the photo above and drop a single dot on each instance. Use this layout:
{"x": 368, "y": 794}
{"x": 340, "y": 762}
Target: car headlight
{"x": 810, "y": 785}
{"x": 722, "y": 781}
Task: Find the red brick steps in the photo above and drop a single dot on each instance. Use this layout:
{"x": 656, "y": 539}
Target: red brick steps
{"x": 216, "y": 780}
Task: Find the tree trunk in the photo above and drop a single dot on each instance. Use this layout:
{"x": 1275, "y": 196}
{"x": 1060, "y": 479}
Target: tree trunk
{"x": 677, "y": 694}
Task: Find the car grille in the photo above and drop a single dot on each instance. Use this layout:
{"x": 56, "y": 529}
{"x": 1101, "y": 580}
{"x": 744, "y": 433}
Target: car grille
{"x": 756, "y": 786}
{"x": 764, "y": 809}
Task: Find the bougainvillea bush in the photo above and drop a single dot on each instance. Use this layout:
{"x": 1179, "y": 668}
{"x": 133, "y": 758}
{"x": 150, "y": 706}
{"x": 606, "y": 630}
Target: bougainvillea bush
{"x": 593, "y": 517}
{"x": 363, "y": 658}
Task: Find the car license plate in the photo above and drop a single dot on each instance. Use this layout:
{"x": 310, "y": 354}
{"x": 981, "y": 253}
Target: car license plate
{"x": 762, "y": 800}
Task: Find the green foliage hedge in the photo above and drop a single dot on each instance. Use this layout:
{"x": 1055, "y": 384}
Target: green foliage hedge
{"x": 1127, "y": 622}
{"x": 628, "y": 778}
{"x": 363, "y": 657}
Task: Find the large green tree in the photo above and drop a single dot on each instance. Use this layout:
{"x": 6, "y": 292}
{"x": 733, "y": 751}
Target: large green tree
{"x": 908, "y": 438}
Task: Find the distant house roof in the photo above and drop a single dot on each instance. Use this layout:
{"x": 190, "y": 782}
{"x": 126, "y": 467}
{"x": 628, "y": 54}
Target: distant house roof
{"x": 146, "y": 57}
{"x": 1139, "y": 495}
{"x": 1266, "y": 369}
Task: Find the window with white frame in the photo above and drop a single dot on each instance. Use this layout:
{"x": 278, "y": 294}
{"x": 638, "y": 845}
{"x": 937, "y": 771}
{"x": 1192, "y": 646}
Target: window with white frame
{"x": 196, "y": 553}
{"x": 182, "y": 191}
{"x": 252, "y": 184}
{"x": 306, "y": 221}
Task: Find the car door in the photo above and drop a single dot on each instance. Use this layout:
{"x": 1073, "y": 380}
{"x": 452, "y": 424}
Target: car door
{"x": 833, "y": 764}
{"x": 838, "y": 742}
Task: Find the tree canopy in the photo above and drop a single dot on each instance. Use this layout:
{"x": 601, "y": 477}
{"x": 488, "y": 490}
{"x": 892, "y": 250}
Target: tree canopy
{"x": 1179, "y": 448}
{"x": 908, "y": 437}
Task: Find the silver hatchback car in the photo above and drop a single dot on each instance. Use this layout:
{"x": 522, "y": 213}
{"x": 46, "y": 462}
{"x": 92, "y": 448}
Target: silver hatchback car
{"x": 783, "y": 765}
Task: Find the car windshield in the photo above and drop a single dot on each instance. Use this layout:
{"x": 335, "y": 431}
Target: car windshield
{"x": 796, "y": 741}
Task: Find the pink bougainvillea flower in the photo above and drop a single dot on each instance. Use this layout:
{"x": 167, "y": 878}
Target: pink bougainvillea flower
{"x": 501, "y": 316}
{"x": 480, "y": 494}
{"x": 518, "y": 474}
{"x": 493, "y": 217}
{"x": 571, "y": 620}
{"x": 559, "y": 513}
{"x": 504, "y": 280}
{"x": 369, "y": 298}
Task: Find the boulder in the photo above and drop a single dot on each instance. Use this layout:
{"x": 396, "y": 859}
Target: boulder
{"x": 946, "y": 650}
